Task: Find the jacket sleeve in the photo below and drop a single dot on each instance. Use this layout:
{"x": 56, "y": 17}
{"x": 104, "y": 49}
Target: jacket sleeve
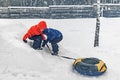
{"x": 43, "y": 36}
{"x": 27, "y": 35}
{"x": 44, "y": 43}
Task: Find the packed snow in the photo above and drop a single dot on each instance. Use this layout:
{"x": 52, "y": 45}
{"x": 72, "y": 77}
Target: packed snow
{"x": 18, "y": 61}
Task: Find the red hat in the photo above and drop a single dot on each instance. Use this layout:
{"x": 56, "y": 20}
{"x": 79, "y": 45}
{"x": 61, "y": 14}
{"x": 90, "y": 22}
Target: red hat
{"x": 42, "y": 25}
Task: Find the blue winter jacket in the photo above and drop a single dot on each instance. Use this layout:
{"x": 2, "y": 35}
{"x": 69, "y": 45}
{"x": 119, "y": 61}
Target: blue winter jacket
{"x": 52, "y": 34}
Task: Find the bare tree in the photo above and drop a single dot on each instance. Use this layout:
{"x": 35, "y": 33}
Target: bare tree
{"x": 35, "y": 3}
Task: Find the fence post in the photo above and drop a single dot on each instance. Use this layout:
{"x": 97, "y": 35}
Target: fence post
{"x": 96, "y": 41}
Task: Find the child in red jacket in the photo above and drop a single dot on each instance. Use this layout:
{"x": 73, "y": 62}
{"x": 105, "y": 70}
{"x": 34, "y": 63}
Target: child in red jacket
{"x": 35, "y": 33}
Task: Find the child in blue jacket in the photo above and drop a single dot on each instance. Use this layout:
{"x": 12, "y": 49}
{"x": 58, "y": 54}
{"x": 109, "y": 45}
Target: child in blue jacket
{"x": 53, "y": 36}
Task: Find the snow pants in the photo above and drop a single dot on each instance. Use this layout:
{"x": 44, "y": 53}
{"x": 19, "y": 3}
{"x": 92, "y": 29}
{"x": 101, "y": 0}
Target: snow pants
{"x": 55, "y": 47}
{"x": 37, "y": 40}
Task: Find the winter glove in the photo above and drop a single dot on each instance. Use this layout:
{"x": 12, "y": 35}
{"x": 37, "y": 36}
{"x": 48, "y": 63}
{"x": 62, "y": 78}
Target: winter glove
{"x": 43, "y": 45}
{"x": 25, "y": 41}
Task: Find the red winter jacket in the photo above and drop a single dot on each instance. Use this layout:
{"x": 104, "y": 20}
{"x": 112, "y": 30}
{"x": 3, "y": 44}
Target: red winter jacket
{"x": 36, "y": 30}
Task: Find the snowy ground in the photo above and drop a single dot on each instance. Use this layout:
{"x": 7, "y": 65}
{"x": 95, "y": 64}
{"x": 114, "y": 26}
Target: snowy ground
{"x": 20, "y": 62}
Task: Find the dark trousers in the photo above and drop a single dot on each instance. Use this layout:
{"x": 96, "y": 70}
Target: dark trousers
{"x": 55, "y": 47}
{"x": 37, "y": 40}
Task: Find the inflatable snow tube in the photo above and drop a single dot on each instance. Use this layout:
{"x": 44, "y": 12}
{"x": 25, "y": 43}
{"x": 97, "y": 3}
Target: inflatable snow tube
{"x": 89, "y": 66}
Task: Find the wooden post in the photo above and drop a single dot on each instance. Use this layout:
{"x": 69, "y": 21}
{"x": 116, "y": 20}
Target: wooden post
{"x": 96, "y": 41}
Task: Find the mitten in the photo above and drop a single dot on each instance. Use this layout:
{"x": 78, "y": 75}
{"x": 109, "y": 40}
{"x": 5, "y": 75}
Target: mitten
{"x": 43, "y": 44}
{"x": 25, "y": 41}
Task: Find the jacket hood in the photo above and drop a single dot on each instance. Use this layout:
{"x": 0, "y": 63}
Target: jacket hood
{"x": 41, "y": 25}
